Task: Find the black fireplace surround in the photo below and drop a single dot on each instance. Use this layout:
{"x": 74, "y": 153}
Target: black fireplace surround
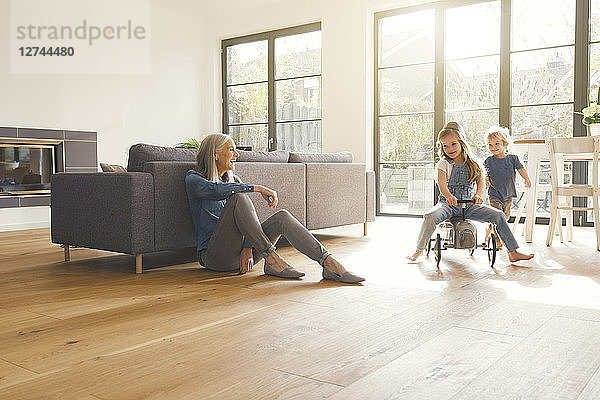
{"x": 29, "y": 156}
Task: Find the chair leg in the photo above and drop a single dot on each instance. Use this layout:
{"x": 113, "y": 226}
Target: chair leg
{"x": 570, "y": 220}
{"x": 365, "y": 229}
{"x": 67, "y": 252}
{"x": 559, "y": 230}
{"x": 552, "y": 225}
{"x": 519, "y": 213}
{"x": 596, "y": 212}
{"x": 138, "y": 263}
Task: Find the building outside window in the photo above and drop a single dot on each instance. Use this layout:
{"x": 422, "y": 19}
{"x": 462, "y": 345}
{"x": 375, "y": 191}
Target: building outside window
{"x": 272, "y": 89}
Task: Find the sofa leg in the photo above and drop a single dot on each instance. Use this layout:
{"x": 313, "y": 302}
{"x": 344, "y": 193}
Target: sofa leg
{"x": 67, "y": 252}
{"x": 365, "y": 229}
{"x": 138, "y": 263}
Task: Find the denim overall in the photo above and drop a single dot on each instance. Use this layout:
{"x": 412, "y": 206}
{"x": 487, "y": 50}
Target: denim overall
{"x": 459, "y": 186}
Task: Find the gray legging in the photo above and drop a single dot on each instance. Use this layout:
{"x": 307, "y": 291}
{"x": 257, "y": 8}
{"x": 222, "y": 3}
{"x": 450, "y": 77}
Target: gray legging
{"x": 238, "y": 221}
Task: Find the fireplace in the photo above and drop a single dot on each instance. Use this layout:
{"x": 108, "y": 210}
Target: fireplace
{"x": 29, "y": 157}
{"x": 25, "y": 168}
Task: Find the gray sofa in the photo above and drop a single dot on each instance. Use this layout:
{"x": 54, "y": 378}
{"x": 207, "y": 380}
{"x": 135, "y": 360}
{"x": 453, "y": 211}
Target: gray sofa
{"x": 146, "y": 209}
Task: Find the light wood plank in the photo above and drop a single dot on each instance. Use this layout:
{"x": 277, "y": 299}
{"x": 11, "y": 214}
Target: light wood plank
{"x": 592, "y": 389}
{"x": 437, "y": 369}
{"x": 516, "y": 318}
{"x": 11, "y": 374}
{"x": 365, "y": 350}
{"x": 555, "y": 362}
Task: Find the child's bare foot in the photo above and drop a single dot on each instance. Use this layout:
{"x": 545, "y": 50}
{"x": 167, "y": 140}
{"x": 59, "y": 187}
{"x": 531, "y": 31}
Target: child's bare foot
{"x": 516, "y": 256}
{"x": 415, "y": 255}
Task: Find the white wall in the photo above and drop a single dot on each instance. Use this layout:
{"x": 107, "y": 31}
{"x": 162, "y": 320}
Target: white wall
{"x": 163, "y": 107}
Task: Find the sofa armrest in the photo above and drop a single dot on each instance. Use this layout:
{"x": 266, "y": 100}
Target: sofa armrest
{"x": 173, "y": 225}
{"x": 370, "y": 196}
{"x": 335, "y": 194}
{"x": 107, "y": 211}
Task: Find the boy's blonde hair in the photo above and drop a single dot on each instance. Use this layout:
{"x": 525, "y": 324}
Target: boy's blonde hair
{"x": 499, "y": 132}
{"x": 454, "y": 128}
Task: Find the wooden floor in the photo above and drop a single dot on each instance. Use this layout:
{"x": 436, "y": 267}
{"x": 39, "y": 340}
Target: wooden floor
{"x": 92, "y": 329}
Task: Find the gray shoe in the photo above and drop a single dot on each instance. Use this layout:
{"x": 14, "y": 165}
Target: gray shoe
{"x": 288, "y": 273}
{"x": 346, "y": 277}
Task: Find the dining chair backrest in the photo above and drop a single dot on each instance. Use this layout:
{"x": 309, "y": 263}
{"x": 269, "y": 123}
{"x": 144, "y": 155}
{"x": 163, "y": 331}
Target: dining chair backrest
{"x": 574, "y": 145}
{"x": 572, "y": 149}
{"x": 586, "y": 145}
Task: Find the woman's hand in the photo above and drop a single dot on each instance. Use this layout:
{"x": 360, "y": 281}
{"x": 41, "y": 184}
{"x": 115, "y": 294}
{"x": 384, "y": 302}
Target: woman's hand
{"x": 451, "y": 201}
{"x": 268, "y": 194}
{"x": 246, "y": 260}
{"x": 478, "y": 199}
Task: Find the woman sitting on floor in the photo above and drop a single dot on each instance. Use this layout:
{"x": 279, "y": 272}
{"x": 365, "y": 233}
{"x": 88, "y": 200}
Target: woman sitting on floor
{"x": 229, "y": 235}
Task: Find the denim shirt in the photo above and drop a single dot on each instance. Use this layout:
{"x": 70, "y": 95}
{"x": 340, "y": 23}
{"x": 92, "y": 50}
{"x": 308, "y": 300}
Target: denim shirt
{"x": 207, "y": 199}
{"x": 458, "y": 183}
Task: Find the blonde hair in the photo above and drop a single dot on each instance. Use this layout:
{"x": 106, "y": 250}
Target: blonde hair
{"x": 454, "y": 128}
{"x": 205, "y": 160}
{"x": 501, "y": 133}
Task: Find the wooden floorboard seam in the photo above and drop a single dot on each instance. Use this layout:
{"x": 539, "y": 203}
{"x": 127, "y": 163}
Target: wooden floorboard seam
{"x": 38, "y": 375}
{"x": 308, "y": 377}
{"x": 18, "y": 366}
{"x": 186, "y": 332}
{"x": 587, "y": 382}
{"x": 488, "y": 331}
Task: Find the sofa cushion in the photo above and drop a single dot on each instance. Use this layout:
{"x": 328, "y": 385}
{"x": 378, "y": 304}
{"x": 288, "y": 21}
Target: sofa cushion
{"x": 112, "y": 168}
{"x": 141, "y": 153}
{"x": 340, "y": 157}
{"x": 277, "y": 156}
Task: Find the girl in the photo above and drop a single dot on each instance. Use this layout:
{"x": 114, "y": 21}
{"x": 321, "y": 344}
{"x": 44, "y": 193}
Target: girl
{"x": 460, "y": 177}
{"x": 500, "y": 168}
{"x": 229, "y": 235}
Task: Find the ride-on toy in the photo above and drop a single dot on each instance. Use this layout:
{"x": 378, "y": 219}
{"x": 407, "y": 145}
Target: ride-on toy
{"x": 460, "y": 233}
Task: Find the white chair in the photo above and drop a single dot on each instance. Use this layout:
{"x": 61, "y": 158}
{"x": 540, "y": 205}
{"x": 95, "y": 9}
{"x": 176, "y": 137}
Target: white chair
{"x": 536, "y": 150}
{"x": 559, "y": 150}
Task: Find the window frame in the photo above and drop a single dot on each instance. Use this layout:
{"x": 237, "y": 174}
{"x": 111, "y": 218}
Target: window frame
{"x": 580, "y": 86}
{"x": 270, "y": 37}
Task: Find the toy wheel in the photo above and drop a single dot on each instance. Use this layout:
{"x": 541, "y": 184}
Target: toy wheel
{"x": 492, "y": 249}
{"x": 429, "y": 246}
{"x": 438, "y": 250}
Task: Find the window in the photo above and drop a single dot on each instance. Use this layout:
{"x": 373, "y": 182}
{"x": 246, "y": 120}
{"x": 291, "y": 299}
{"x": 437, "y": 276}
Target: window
{"x": 405, "y": 108}
{"x": 272, "y": 89}
{"x": 594, "y": 48}
{"x": 542, "y": 68}
{"x": 480, "y": 62}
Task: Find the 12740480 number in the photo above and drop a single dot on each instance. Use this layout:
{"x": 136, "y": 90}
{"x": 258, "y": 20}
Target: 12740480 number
{"x": 46, "y": 51}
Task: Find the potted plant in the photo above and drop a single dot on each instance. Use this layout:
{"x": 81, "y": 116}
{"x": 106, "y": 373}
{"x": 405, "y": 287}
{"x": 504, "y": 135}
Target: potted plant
{"x": 591, "y": 116}
{"x": 191, "y": 143}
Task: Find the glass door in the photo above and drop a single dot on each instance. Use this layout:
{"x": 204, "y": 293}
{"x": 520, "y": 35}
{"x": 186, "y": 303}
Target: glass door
{"x": 405, "y": 104}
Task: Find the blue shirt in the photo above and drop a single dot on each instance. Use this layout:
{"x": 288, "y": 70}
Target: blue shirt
{"x": 207, "y": 199}
{"x": 501, "y": 172}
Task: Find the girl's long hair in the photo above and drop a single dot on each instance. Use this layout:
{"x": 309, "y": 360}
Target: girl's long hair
{"x": 472, "y": 166}
{"x": 205, "y": 160}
